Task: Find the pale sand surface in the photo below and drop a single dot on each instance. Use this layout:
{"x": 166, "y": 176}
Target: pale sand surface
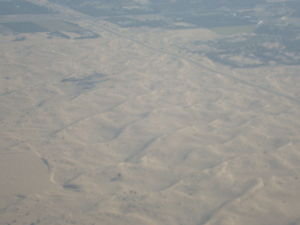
{"x": 129, "y": 129}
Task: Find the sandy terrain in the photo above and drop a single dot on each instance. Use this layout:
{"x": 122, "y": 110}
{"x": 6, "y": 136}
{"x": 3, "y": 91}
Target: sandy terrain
{"x": 130, "y": 129}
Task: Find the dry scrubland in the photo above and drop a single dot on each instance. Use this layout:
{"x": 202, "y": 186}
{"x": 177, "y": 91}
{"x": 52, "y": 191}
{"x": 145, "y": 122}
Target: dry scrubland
{"x": 129, "y": 129}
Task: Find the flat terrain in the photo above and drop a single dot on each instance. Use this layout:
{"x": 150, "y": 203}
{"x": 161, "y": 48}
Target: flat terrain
{"x": 109, "y": 124}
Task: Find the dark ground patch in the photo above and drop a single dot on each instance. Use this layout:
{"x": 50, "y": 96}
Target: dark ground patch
{"x": 54, "y": 28}
{"x": 24, "y": 27}
{"x": 73, "y": 187}
{"x": 15, "y": 7}
{"x": 87, "y": 82}
{"x": 263, "y": 49}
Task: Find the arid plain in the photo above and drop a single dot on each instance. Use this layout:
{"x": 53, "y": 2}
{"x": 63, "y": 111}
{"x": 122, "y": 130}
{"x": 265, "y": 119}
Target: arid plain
{"x": 131, "y": 128}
